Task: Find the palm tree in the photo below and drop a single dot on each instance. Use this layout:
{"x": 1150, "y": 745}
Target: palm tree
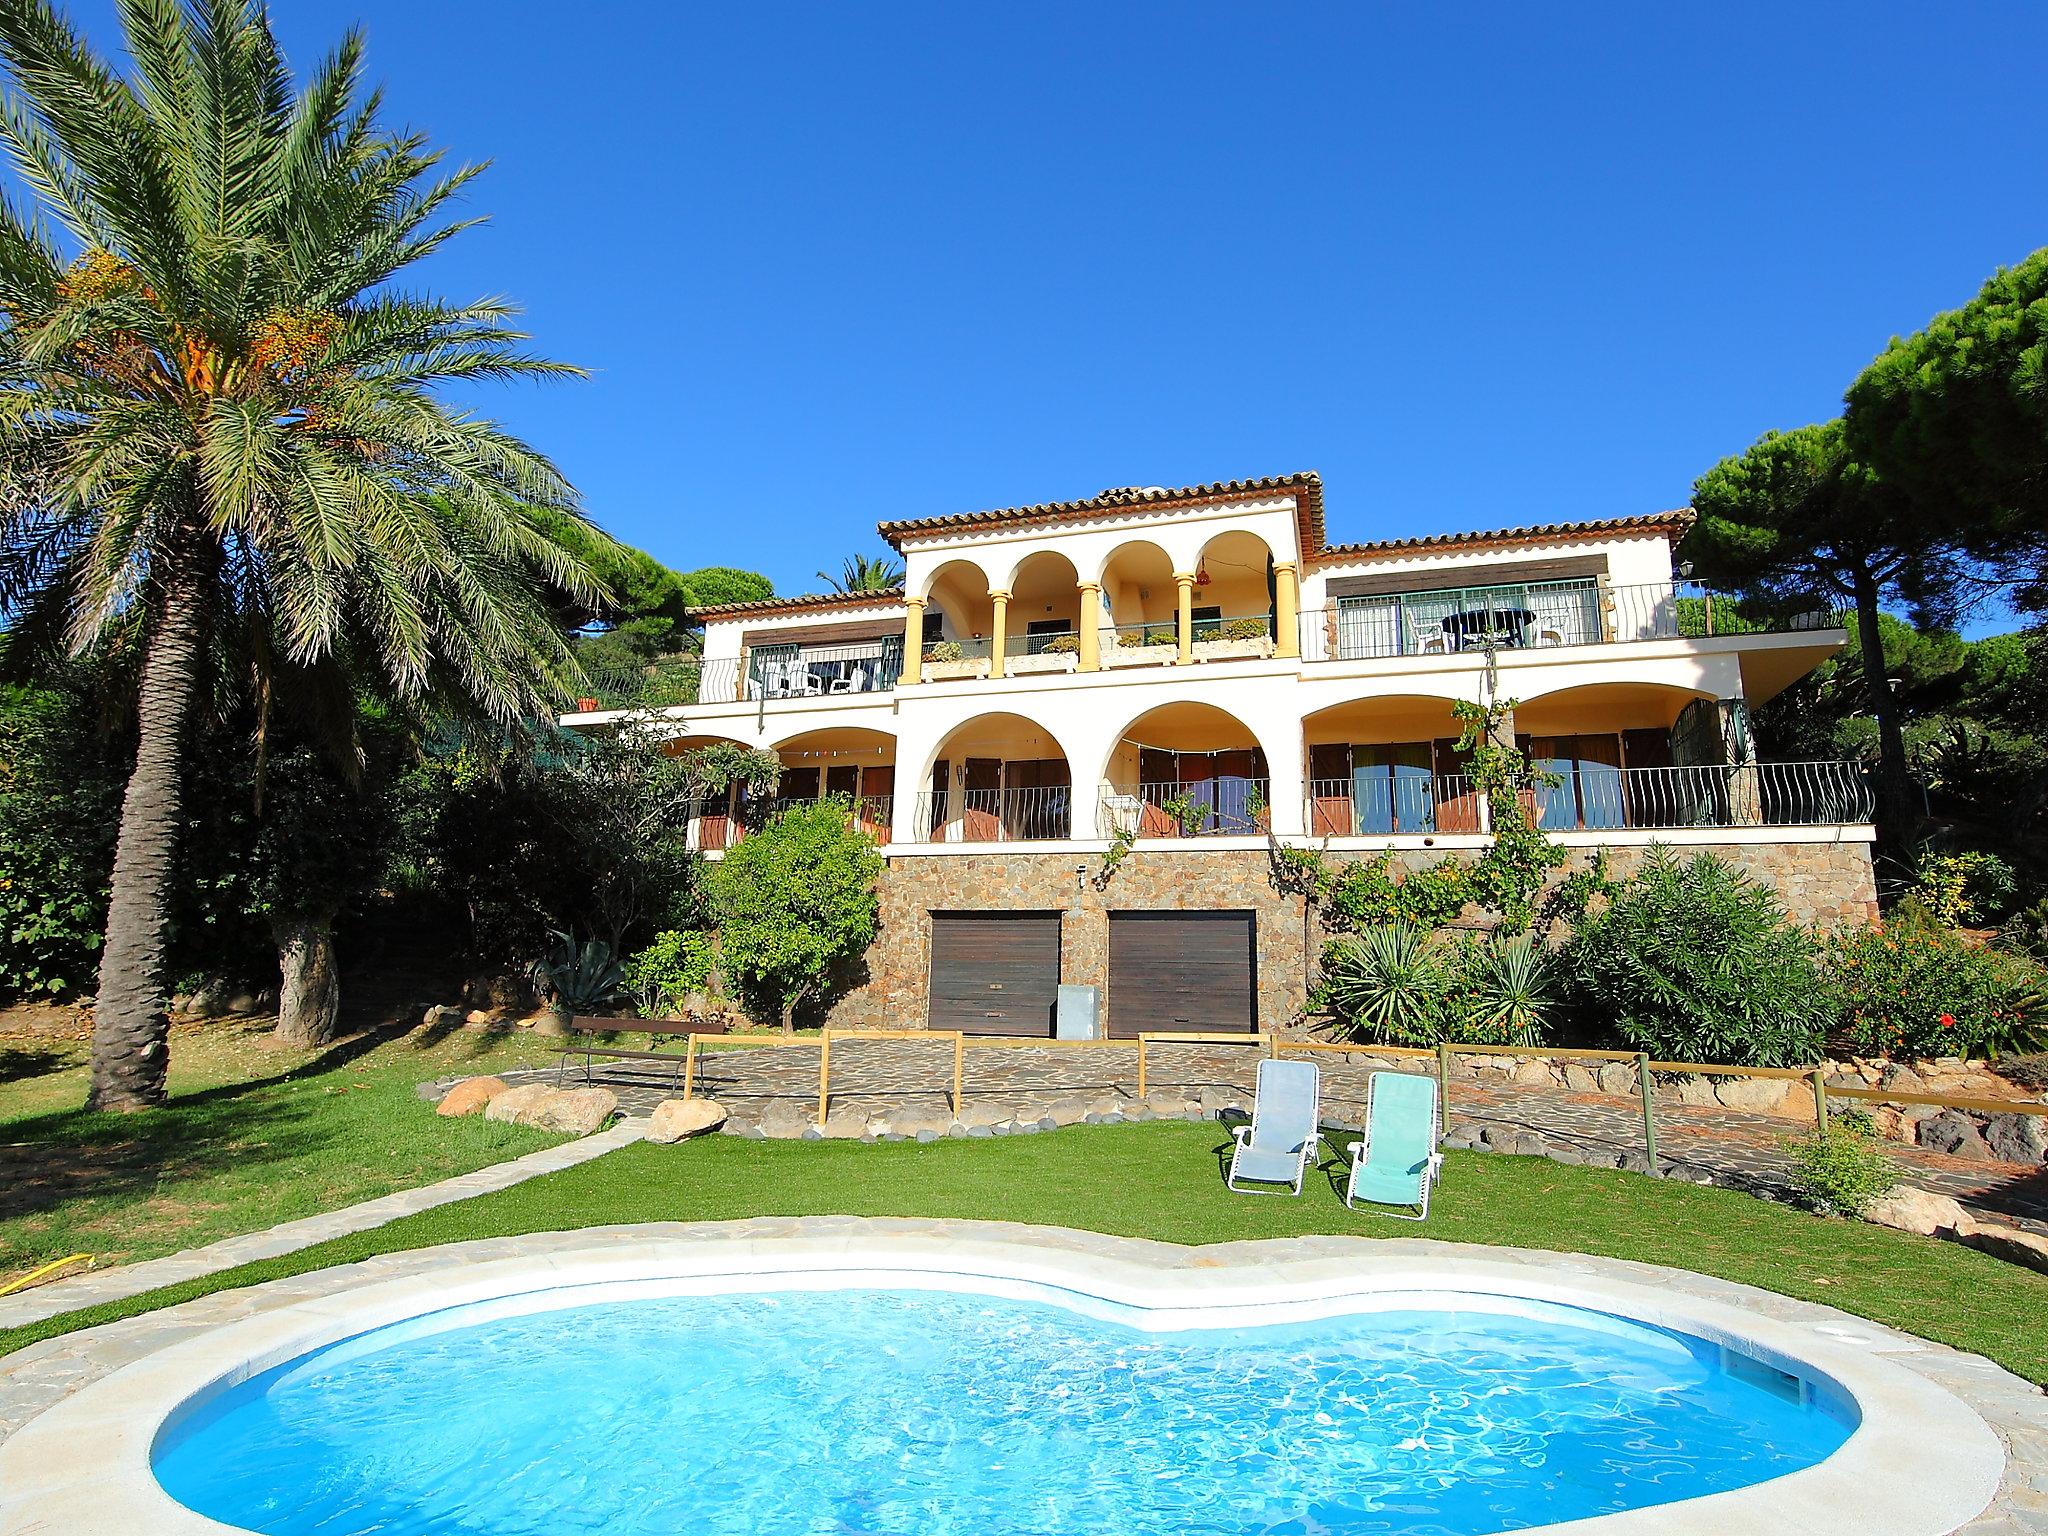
{"x": 224, "y": 461}
{"x": 866, "y": 573}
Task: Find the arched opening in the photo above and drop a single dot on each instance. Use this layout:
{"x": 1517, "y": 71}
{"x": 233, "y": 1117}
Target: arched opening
{"x": 1186, "y": 770}
{"x": 959, "y": 617}
{"x": 1233, "y": 596}
{"x": 996, "y": 778}
{"x": 716, "y": 820}
{"x": 1633, "y": 755}
{"x": 1388, "y": 765}
{"x": 850, "y": 764}
{"x": 1139, "y": 596}
{"x": 1045, "y": 615}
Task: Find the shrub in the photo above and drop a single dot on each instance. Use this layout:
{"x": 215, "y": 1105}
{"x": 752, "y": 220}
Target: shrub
{"x": 579, "y": 978}
{"x": 1691, "y": 961}
{"x": 1396, "y": 984}
{"x": 1963, "y": 887}
{"x": 59, "y": 805}
{"x": 1916, "y": 988}
{"x": 1246, "y": 629}
{"x": 1061, "y": 645}
{"x": 943, "y": 650}
{"x": 1839, "y": 1171}
{"x": 1366, "y": 894}
{"x": 668, "y": 970}
{"x": 1161, "y": 637}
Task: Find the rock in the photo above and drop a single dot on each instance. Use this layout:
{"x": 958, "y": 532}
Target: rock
{"x": 210, "y": 999}
{"x": 1888, "y": 1124}
{"x": 1798, "y": 1102}
{"x": 2017, "y": 1138}
{"x": 1071, "y": 1110}
{"x": 1760, "y": 1095}
{"x": 1532, "y": 1072}
{"x": 1911, "y": 1209}
{"x": 441, "y": 1016}
{"x": 1695, "y": 1092}
{"x": 1617, "y": 1078}
{"x": 1955, "y": 1133}
{"x": 843, "y": 1125}
{"x": 573, "y": 1111}
{"x": 1463, "y": 1138}
{"x": 470, "y": 1096}
{"x": 1216, "y": 1100}
{"x": 514, "y": 1104}
{"x": 2012, "y": 1245}
{"x": 1580, "y": 1078}
{"x": 785, "y": 1119}
{"x": 1897, "y": 1076}
{"x": 982, "y": 1117}
{"x": 1514, "y": 1142}
{"x": 676, "y": 1120}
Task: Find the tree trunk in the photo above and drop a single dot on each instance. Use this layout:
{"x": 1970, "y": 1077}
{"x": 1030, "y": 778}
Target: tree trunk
{"x": 1896, "y": 813}
{"x": 130, "y": 1028}
{"x": 309, "y": 990}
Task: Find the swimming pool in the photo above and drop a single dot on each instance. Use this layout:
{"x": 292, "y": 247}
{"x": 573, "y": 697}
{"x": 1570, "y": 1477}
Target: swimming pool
{"x": 936, "y": 1413}
{"x": 878, "y": 1375}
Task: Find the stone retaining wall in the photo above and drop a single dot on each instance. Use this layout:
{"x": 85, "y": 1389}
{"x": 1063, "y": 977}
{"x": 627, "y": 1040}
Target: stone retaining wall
{"x": 1821, "y": 883}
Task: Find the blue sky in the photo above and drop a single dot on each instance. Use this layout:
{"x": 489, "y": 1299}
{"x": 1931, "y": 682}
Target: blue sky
{"x": 1477, "y": 265}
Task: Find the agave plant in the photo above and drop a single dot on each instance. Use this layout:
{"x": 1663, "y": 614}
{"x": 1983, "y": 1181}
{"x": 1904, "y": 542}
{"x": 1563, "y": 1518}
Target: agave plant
{"x": 1509, "y": 990}
{"x": 1388, "y": 983}
{"x": 580, "y": 978}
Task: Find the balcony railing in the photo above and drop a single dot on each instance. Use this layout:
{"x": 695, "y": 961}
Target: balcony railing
{"x": 718, "y": 827}
{"x": 1032, "y": 814}
{"x": 1228, "y": 807}
{"x": 1593, "y": 797}
{"x": 1528, "y": 615}
{"x": 769, "y": 672}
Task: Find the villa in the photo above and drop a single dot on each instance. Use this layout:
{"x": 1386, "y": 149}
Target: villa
{"x": 1184, "y": 675}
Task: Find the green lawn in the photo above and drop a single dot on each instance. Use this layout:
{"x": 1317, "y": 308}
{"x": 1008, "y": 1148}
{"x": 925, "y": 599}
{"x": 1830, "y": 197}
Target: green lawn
{"x": 253, "y": 1135}
{"x": 1162, "y": 1181}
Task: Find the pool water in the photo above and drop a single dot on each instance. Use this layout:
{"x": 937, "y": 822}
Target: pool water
{"x": 933, "y": 1413}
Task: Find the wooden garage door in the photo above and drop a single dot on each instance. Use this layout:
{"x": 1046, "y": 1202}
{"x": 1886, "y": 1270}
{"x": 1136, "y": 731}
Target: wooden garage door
{"x": 1180, "y": 971}
{"x": 995, "y": 973}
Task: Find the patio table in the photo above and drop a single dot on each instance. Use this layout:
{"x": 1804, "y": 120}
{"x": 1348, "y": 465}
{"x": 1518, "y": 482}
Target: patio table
{"x": 1475, "y": 626}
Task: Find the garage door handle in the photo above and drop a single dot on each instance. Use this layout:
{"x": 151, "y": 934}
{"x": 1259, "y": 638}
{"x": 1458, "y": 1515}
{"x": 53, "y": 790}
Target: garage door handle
{"x": 995, "y": 986}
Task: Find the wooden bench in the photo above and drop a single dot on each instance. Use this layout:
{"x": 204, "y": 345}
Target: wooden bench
{"x": 583, "y": 1038}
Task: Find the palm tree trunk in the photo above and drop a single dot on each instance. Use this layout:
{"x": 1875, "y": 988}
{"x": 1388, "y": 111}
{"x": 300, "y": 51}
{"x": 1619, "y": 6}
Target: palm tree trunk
{"x": 309, "y": 992}
{"x": 130, "y": 1028}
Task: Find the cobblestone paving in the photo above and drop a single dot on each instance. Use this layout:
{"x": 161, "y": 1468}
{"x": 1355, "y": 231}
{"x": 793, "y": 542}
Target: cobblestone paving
{"x": 1731, "y": 1146}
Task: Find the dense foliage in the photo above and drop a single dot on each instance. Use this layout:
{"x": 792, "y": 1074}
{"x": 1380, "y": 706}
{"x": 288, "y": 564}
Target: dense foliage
{"x": 1840, "y": 1171}
{"x": 1691, "y": 961}
{"x": 671, "y": 968}
{"x": 58, "y": 802}
{"x": 1916, "y": 988}
{"x": 794, "y": 904}
{"x": 1398, "y": 984}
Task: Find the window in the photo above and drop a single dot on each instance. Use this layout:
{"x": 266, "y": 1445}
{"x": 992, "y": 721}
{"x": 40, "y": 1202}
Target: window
{"x": 934, "y": 628}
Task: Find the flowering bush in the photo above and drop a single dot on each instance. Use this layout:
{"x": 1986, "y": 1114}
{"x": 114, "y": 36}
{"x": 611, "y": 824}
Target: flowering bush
{"x": 1915, "y": 988}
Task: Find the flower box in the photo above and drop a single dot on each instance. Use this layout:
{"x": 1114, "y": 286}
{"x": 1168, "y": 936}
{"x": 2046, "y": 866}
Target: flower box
{"x": 1219, "y": 650}
{"x": 966, "y": 666}
{"x": 1043, "y": 661}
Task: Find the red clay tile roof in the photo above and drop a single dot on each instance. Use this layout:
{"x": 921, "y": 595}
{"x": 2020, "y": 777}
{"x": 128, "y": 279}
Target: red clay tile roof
{"x": 1675, "y": 523}
{"x": 803, "y": 603}
{"x": 1308, "y": 506}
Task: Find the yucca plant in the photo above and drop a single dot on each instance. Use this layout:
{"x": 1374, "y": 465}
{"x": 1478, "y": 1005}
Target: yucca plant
{"x": 580, "y": 977}
{"x": 1508, "y": 988}
{"x": 225, "y": 461}
{"x": 1388, "y": 983}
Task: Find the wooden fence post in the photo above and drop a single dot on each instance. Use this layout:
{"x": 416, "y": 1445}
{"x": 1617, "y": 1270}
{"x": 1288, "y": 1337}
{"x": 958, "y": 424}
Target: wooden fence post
{"x": 824, "y": 1072}
{"x": 1649, "y": 1109}
{"x": 959, "y": 1056}
{"x": 1820, "y": 1100}
{"x": 1443, "y": 1089}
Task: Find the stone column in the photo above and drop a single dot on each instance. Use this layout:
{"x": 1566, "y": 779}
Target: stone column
{"x": 998, "y": 632}
{"x": 1184, "y": 618}
{"x": 1286, "y": 610}
{"x": 1091, "y": 626}
{"x": 913, "y": 640}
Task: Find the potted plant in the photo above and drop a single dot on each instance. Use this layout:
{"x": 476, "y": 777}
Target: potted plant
{"x": 1061, "y": 653}
{"x": 1149, "y": 648}
{"x": 1235, "y": 637}
{"x": 945, "y": 658}
{"x": 576, "y": 978}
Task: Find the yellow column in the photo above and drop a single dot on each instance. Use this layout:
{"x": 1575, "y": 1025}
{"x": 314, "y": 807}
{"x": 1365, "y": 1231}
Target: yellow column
{"x": 913, "y": 640}
{"x": 1286, "y": 611}
{"x": 1185, "y": 618}
{"x": 1091, "y": 626}
{"x": 998, "y": 632}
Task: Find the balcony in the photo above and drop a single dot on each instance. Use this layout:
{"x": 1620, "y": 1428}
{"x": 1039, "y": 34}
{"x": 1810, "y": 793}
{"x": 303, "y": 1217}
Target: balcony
{"x": 1532, "y": 615}
{"x": 767, "y": 672}
{"x": 717, "y": 825}
{"x": 1037, "y": 813}
{"x": 1218, "y": 807}
{"x": 1591, "y": 797}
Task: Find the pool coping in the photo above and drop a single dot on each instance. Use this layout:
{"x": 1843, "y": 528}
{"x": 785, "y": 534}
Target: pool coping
{"x": 1924, "y": 1463}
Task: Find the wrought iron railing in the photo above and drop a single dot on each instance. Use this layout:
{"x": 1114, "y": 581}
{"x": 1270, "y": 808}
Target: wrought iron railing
{"x": 1535, "y": 614}
{"x": 1594, "y": 797}
{"x": 1023, "y": 814}
{"x": 718, "y": 824}
{"x": 663, "y": 684}
{"x": 1223, "y": 807}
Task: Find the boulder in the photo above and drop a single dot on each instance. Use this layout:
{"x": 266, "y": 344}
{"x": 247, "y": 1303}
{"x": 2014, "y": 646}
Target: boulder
{"x": 514, "y": 1104}
{"x": 1955, "y": 1133}
{"x": 1617, "y": 1078}
{"x": 2017, "y": 1138}
{"x": 677, "y": 1120}
{"x": 1169, "y": 1103}
{"x": 470, "y": 1096}
{"x": 573, "y": 1111}
{"x": 441, "y": 1016}
{"x": 982, "y": 1119}
{"x": 1918, "y": 1210}
{"x": 2012, "y": 1245}
{"x": 1072, "y": 1109}
{"x": 1533, "y": 1072}
{"x": 1695, "y": 1091}
{"x": 1900, "y": 1078}
{"x": 1216, "y": 1100}
{"x": 210, "y": 999}
{"x": 1581, "y": 1078}
{"x": 843, "y": 1125}
{"x": 785, "y": 1119}
{"x": 1759, "y": 1095}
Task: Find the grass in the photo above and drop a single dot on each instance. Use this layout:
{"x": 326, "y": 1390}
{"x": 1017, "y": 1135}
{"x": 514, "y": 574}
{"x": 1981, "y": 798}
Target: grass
{"x": 1162, "y": 1181}
{"x": 253, "y": 1135}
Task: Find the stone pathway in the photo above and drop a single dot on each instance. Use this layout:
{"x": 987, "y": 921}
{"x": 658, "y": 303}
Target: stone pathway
{"x": 90, "y": 1290}
{"x": 774, "y": 1090}
{"x": 35, "y": 1379}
